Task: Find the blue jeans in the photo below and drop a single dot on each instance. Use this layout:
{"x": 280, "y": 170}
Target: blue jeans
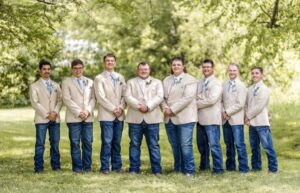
{"x": 234, "y": 140}
{"x": 151, "y": 132}
{"x": 257, "y": 135}
{"x": 81, "y": 131}
{"x": 181, "y": 139}
{"x": 54, "y": 137}
{"x": 111, "y": 135}
{"x": 208, "y": 138}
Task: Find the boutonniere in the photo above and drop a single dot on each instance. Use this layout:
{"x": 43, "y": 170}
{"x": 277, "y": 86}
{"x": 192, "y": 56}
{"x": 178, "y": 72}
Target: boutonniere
{"x": 234, "y": 88}
{"x": 85, "y": 82}
{"x": 148, "y": 82}
{"x": 178, "y": 81}
{"x": 255, "y": 91}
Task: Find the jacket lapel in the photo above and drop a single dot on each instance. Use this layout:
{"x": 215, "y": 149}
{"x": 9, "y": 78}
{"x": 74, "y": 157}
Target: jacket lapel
{"x": 43, "y": 86}
{"x": 139, "y": 86}
{"x": 77, "y": 85}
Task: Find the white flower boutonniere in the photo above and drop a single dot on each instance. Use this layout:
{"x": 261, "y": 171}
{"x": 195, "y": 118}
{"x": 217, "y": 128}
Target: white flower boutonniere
{"x": 148, "y": 82}
{"x": 177, "y": 80}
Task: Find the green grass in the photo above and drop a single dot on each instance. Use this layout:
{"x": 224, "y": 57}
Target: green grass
{"x": 17, "y": 148}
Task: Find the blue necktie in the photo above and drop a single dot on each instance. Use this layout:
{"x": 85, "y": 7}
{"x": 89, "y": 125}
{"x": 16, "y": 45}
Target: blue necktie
{"x": 49, "y": 87}
{"x": 80, "y": 83}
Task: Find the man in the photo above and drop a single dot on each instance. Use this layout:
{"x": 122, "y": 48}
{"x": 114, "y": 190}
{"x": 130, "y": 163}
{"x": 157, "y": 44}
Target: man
{"x": 257, "y": 117}
{"x": 109, "y": 89}
{"x": 78, "y": 96}
{"x": 143, "y": 96}
{"x": 45, "y": 97}
{"x": 180, "y": 113}
{"x": 209, "y": 118}
{"x": 233, "y": 101}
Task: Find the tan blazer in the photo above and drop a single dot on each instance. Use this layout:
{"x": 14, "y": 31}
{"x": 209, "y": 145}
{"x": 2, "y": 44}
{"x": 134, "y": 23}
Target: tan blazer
{"x": 77, "y": 100}
{"x": 209, "y": 101}
{"x": 109, "y": 96}
{"x": 180, "y": 97}
{"x": 152, "y": 96}
{"x": 43, "y": 102}
{"x": 234, "y": 101}
{"x": 257, "y": 105}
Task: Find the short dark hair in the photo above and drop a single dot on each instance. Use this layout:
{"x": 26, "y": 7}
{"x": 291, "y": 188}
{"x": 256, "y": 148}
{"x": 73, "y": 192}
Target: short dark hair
{"x": 178, "y": 58}
{"x": 143, "y": 64}
{"x": 109, "y": 55}
{"x": 44, "y": 62}
{"x": 258, "y": 68}
{"x": 76, "y": 62}
{"x": 208, "y": 61}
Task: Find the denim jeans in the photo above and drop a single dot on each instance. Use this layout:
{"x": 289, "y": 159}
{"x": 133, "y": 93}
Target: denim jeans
{"x": 208, "y": 138}
{"x": 81, "y": 131}
{"x": 54, "y": 137}
{"x": 234, "y": 140}
{"x": 151, "y": 132}
{"x": 181, "y": 140}
{"x": 111, "y": 135}
{"x": 257, "y": 135}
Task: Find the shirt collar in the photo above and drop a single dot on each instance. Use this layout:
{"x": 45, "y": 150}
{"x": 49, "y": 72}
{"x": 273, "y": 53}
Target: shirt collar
{"x": 258, "y": 84}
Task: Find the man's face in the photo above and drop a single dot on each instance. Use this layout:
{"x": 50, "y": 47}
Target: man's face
{"x": 143, "y": 71}
{"x": 233, "y": 72}
{"x": 177, "y": 67}
{"x": 109, "y": 63}
{"x": 256, "y": 75}
{"x": 207, "y": 69}
{"x": 45, "y": 72}
{"x": 77, "y": 70}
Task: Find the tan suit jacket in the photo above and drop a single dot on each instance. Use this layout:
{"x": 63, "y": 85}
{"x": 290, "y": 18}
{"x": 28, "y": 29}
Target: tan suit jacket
{"x": 77, "y": 100}
{"x": 43, "y": 102}
{"x": 257, "y": 105}
{"x": 234, "y": 101}
{"x": 180, "y": 97}
{"x": 152, "y": 96}
{"x": 209, "y": 101}
{"x": 109, "y": 96}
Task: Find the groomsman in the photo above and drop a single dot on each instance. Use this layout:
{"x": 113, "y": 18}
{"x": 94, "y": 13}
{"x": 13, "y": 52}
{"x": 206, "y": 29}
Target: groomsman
{"x": 233, "y": 104}
{"x": 109, "y": 89}
{"x": 257, "y": 117}
{"x": 78, "y": 96}
{"x": 45, "y": 97}
{"x": 143, "y": 96}
{"x": 209, "y": 118}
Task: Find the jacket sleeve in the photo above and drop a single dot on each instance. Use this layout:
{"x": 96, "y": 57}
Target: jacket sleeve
{"x": 35, "y": 102}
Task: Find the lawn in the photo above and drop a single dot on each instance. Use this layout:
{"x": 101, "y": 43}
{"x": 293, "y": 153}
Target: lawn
{"x": 17, "y": 148}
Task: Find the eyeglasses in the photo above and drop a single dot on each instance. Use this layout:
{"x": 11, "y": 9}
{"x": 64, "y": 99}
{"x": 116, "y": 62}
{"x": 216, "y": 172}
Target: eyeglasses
{"x": 77, "y": 68}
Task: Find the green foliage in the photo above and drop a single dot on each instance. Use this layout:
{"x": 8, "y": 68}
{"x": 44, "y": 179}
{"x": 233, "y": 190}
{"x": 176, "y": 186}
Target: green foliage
{"x": 27, "y": 34}
{"x": 264, "y": 33}
{"x": 226, "y": 31}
